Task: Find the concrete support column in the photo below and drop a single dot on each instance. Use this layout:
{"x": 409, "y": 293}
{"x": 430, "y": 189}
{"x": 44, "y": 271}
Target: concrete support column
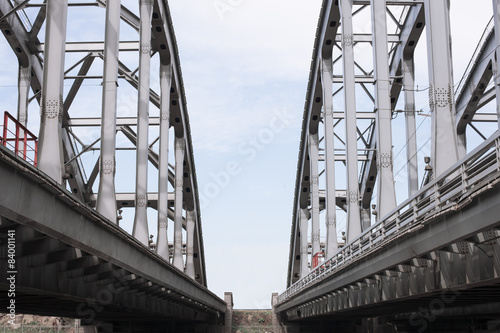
{"x": 165, "y": 85}
{"x": 190, "y": 221}
{"x": 180, "y": 147}
{"x": 411, "y": 128}
{"x": 228, "y": 324}
{"x": 386, "y": 192}
{"x": 50, "y": 149}
{"x": 353, "y": 212}
{"x": 441, "y": 97}
{"x": 330, "y": 221}
{"x": 496, "y": 62}
{"x": 276, "y": 322}
{"x": 106, "y": 199}
{"x": 140, "y": 230}
{"x": 304, "y": 220}
{"x": 313, "y": 158}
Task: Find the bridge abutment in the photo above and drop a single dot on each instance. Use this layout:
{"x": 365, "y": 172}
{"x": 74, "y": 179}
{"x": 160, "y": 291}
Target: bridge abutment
{"x": 228, "y": 298}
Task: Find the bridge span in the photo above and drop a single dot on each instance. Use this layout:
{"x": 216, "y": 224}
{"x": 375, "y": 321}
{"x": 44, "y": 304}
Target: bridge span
{"x": 429, "y": 263}
{"x": 63, "y": 247}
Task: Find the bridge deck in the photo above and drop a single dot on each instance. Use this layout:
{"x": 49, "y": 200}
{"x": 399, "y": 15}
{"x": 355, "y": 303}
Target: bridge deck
{"x": 444, "y": 238}
{"x": 79, "y": 263}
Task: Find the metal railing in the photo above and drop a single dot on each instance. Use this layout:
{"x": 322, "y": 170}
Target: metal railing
{"x": 38, "y": 328}
{"x": 449, "y": 192}
{"x": 19, "y": 139}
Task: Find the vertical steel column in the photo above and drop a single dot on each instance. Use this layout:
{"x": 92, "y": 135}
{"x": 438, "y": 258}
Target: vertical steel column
{"x": 353, "y": 212}
{"x": 304, "y": 220}
{"x": 411, "y": 128}
{"x": 496, "y": 62}
{"x": 331, "y": 229}
{"x": 165, "y": 85}
{"x": 106, "y": 199}
{"x": 462, "y": 144}
{"x": 24, "y": 81}
{"x": 140, "y": 230}
{"x": 386, "y": 191}
{"x": 180, "y": 146}
{"x": 190, "y": 219}
{"x": 50, "y": 151}
{"x": 441, "y": 98}
{"x": 313, "y": 158}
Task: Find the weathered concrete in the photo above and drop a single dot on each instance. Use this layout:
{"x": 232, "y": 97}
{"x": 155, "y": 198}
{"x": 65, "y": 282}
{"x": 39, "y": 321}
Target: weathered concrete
{"x": 228, "y": 298}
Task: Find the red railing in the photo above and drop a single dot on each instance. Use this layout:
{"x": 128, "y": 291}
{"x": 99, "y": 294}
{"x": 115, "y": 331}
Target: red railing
{"x": 19, "y": 139}
{"x": 318, "y": 259}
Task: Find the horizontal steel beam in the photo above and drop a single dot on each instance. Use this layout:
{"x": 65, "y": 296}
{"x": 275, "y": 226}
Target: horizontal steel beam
{"x": 367, "y": 38}
{"x": 93, "y": 46}
{"x": 358, "y": 79}
{"x": 342, "y": 157}
{"x": 391, "y": 2}
{"x": 120, "y": 121}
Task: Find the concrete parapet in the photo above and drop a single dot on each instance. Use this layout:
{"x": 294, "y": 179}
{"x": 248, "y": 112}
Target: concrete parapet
{"x": 228, "y": 298}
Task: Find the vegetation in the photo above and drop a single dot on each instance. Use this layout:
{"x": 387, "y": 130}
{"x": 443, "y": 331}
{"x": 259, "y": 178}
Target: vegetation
{"x": 252, "y": 321}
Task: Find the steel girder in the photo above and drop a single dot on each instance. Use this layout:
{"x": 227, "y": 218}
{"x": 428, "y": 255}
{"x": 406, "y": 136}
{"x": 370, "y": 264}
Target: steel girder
{"x": 28, "y": 48}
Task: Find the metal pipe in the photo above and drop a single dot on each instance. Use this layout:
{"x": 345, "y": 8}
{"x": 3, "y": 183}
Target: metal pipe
{"x": 106, "y": 199}
{"x": 165, "y": 85}
{"x": 140, "y": 230}
{"x": 353, "y": 209}
{"x": 50, "y": 159}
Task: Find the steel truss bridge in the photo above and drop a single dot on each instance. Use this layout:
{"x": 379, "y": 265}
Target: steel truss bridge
{"x": 62, "y": 209}
{"x": 397, "y": 267}
{"x": 436, "y": 250}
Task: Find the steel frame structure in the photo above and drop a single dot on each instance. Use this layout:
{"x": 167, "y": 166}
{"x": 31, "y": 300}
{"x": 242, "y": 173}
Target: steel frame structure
{"x": 361, "y": 140}
{"x": 42, "y": 68}
{"x": 473, "y": 175}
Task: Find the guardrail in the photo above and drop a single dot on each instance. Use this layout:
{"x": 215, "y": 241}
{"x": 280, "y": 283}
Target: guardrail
{"x": 19, "y": 139}
{"x": 449, "y": 192}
